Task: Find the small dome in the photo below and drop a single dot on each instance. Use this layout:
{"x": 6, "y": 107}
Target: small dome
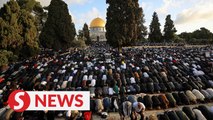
{"x": 97, "y": 22}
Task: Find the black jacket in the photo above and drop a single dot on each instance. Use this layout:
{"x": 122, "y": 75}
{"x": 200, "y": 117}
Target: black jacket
{"x": 184, "y": 98}
{"x": 163, "y": 117}
{"x": 148, "y": 102}
{"x": 156, "y": 101}
{"x": 182, "y": 115}
{"x": 172, "y": 115}
{"x": 177, "y": 98}
{"x": 189, "y": 113}
{"x": 163, "y": 87}
{"x": 172, "y": 101}
{"x": 206, "y": 112}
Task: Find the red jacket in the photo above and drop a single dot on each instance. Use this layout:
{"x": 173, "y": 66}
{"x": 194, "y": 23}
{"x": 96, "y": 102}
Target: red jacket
{"x": 87, "y": 115}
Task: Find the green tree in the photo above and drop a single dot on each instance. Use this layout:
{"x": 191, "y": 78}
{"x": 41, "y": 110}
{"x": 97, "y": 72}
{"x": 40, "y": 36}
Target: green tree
{"x": 178, "y": 39}
{"x": 123, "y": 22}
{"x": 199, "y": 36}
{"x": 86, "y": 34}
{"x": 18, "y": 31}
{"x": 155, "y": 34}
{"x": 169, "y": 29}
{"x": 202, "y": 33}
{"x": 142, "y": 29}
{"x": 73, "y": 29}
{"x": 59, "y": 31}
{"x": 6, "y": 57}
{"x": 187, "y": 37}
{"x": 37, "y": 10}
{"x": 30, "y": 5}
{"x": 79, "y": 43}
{"x": 80, "y": 34}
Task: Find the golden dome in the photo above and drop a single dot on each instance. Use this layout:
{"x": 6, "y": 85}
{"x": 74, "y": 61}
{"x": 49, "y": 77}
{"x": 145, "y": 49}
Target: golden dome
{"x": 97, "y": 22}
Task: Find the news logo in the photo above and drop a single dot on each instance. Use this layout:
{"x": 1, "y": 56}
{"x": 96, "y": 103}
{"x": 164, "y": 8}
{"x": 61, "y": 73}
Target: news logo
{"x": 20, "y": 100}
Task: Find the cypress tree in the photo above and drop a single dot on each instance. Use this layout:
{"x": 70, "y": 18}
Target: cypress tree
{"x": 58, "y": 31}
{"x": 155, "y": 34}
{"x": 169, "y": 29}
{"x": 86, "y": 34}
{"x": 18, "y": 31}
{"x": 35, "y": 8}
{"x": 141, "y": 28}
{"x": 123, "y": 27}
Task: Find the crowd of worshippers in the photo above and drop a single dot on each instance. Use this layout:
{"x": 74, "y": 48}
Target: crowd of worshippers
{"x": 200, "y": 112}
{"x": 159, "y": 44}
{"x": 166, "y": 77}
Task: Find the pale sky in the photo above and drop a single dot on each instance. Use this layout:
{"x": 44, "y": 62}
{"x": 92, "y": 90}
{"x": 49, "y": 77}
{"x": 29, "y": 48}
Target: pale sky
{"x": 188, "y": 15}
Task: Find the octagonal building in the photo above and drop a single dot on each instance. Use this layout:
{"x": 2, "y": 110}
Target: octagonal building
{"x": 97, "y": 30}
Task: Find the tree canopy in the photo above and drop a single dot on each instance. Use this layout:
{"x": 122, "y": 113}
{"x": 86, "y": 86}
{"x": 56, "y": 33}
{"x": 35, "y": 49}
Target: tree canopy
{"x": 59, "y": 30}
{"x": 35, "y": 8}
{"x": 142, "y": 29}
{"x": 201, "y": 35}
{"x": 30, "y": 5}
{"x": 18, "y": 31}
{"x": 155, "y": 34}
{"x": 124, "y": 22}
{"x": 169, "y": 29}
{"x": 6, "y": 57}
{"x": 86, "y": 34}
